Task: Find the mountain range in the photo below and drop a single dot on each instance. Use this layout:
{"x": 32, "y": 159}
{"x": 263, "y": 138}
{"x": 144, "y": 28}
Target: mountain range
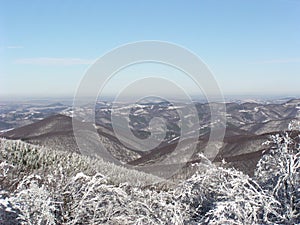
{"x": 248, "y": 126}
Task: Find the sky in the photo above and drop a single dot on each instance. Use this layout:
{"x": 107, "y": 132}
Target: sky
{"x": 251, "y": 47}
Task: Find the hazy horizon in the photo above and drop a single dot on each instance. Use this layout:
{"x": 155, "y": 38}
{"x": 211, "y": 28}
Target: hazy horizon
{"x": 199, "y": 98}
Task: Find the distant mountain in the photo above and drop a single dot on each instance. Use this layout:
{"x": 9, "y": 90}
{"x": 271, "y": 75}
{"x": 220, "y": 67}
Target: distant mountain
{"x": 249, "y": 124}
{"x": 56, "y": 132}
{"x": 57, "y": 104}
{"x": 52, "y": 124}
{"x": 240, "y": 149}
{"x": 20, "y": 114}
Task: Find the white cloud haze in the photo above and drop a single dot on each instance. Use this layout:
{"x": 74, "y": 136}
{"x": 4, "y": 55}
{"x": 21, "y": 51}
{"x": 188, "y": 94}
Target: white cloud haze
{"x": 14, "y": 47}
{"x": 54, "y": 61}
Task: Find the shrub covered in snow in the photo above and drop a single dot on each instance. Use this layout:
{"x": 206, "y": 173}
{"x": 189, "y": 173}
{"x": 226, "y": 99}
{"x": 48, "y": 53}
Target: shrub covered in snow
{"x": 41, "y": 186}
{"x": 279, "y": 173}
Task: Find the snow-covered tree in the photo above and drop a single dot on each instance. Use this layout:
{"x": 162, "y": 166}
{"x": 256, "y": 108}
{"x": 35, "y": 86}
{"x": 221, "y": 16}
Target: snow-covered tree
{"x": 94, "y": 200}
{"x": 34, "y": 202}
{"x": 227, "y": 196}
{"x": 41, "y": 186}
{"x": 278, "y": 171}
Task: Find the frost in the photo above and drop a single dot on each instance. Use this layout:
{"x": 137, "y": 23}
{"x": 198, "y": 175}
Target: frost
{"x": 39, "y": 186}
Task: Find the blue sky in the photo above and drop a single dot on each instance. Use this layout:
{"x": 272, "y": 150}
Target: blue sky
{"x": 252, "y": 47}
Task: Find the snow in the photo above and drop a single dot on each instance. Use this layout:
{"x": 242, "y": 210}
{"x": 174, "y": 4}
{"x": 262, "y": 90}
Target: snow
{"x": 244, "y": 111}
{"x": 79, "y": 176}
{"x": 6, "y": 130}
{"x": 139, "y": 111}
{"x": 4, "y": 202}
